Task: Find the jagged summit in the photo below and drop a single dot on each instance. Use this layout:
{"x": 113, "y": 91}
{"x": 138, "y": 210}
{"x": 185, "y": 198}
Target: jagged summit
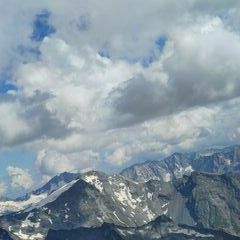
{"x": 178, "y": 164}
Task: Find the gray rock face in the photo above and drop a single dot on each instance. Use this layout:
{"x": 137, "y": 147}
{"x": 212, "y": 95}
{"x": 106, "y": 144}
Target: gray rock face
{"x": 213, "y": 201}
{"x": 178, "y": 164}
{"x": 203, "y": 201}
{"x": 90, "y": 201}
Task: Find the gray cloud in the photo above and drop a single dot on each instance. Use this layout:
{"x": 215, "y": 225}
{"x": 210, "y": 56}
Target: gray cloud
{"x": 203, "y": 68}
{"x": 139, "y": 99}
{"x": 84, "y": 110}
{"x": 84, "y": 22}
{"x": 32, "y": 118}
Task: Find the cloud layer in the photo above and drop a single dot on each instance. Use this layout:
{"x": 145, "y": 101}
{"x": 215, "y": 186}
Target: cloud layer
{"x": 96, "y": 88}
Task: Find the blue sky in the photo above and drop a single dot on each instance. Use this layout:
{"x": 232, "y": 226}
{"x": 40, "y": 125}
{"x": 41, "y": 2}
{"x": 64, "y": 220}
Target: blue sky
{"x": 41, "y": 26}
{"x": 5, "y": 87}
{"x": 82, "y": 87}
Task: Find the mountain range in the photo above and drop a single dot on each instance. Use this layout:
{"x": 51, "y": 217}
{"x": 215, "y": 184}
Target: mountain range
{"x": 178, "y": 164}
{"x": 184, "y": 196}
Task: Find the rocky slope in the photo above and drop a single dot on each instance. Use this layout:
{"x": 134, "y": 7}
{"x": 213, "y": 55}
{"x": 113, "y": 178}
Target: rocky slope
{"x": 34, "y": 198}
{"x": 206, "y": 201}
{"x": 97, "y": 198}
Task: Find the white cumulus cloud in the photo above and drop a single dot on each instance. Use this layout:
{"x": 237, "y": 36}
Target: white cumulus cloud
{"x": 20, "y": 178}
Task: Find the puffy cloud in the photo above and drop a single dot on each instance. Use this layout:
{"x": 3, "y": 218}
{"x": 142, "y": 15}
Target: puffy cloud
{"x": 187, "y": 130}
{"x": 128, "y": 34}
{"x": 20, "y": 178}
{"x": 76, "y": 98}
{"x": 51, "y": 162}
{"x": 198, "y": 68}
{"x": 118, "y": 157}
{"x": 9, "y": 134}
{"x": 30, "y": 118}
{"x": 87, "y": 101}
{"x": 77, "y": 83}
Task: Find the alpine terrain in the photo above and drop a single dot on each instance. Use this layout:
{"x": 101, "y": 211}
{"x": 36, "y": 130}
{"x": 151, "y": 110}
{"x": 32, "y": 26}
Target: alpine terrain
{"x": 184, "y": 196}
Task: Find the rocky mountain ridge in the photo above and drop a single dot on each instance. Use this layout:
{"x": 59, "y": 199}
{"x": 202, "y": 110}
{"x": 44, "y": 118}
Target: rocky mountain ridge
{"x": 202, "y": 200}
{"x": 198, "y": 205}
{"x": 178, "y": 164}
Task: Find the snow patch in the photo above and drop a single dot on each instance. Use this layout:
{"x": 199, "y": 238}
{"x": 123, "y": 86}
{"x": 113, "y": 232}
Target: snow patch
{"x": 167, "y": 177}
{"x": 23, "y": 236}
{"x": 149, "y": 195}
{"x": 94, "y": 180}
{"x": 16, "y": 206}
{"x": 52, "y": 197}
{"x": 28, "y": 223}
{"x": 149, "y": 213}
{"x": 124, "y": 196}
{"x": 114, "y": 213}
{"x": 188, "y": 169}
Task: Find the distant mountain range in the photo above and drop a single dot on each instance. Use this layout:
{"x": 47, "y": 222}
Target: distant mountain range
{"x": 178, "y": 164}
{"x": 184, "y": 196}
